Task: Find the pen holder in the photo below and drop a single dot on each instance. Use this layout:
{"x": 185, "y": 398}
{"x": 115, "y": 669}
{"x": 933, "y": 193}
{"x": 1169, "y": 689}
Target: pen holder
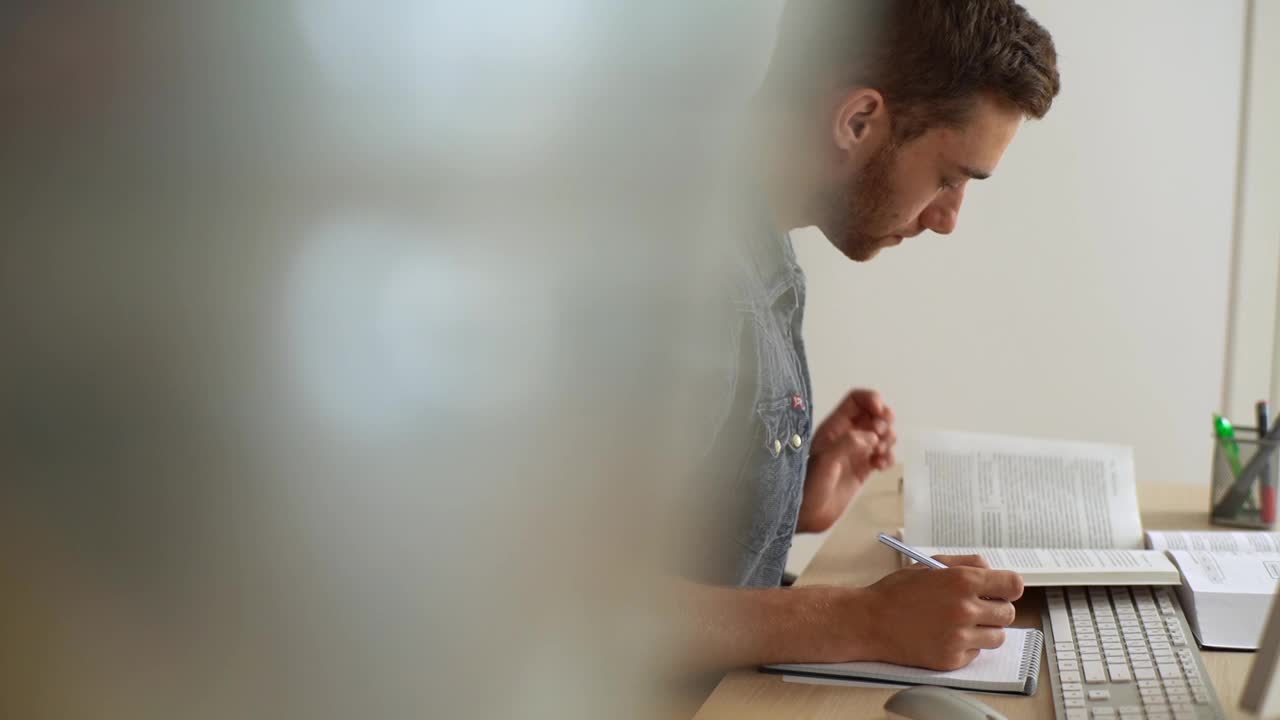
{"x": 1235, "y": 504}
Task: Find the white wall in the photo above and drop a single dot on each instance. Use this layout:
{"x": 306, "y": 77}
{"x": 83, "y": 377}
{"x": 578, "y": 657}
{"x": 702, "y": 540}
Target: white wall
{"x": 1252, "y": 370}
{"x": 1085, "y": 294}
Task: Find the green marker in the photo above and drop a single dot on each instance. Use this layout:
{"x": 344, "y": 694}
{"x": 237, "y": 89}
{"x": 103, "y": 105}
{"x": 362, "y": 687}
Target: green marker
{"x": 1227, "y": 435}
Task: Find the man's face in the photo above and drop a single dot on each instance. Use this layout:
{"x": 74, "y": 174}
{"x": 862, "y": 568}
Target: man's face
{"x": 902, "y": 190}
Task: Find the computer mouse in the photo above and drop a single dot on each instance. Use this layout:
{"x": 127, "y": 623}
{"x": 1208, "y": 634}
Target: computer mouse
{"x": 927, "y": 702}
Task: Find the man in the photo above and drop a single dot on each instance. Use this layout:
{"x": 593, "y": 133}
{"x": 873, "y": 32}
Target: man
{"x": 873, "y": 119}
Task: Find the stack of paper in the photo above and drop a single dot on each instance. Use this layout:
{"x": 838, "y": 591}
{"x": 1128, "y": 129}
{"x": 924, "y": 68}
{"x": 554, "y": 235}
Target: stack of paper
{"x": 1227, "y": 596}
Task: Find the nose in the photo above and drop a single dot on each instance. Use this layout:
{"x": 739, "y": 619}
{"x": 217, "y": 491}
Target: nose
{"x": 942, "y": 215}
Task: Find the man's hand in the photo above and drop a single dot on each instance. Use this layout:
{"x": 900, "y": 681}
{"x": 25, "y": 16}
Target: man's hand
{"x": 938, "y": 619}
{"x": 855, "y": 440}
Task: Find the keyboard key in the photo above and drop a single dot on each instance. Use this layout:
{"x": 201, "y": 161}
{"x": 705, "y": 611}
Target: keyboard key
{"x": 1077, "y": 714}
{"x": 1144, "y": 673}
{"x": 1093, "y": 672}
{"x": 1060, "y": 624}
{"x": 1099, "y": 694}
{"x": 1119, "y": 672}
{"x": 1071, "y": 676}
{"x": 1072, "y": 686}
{"x": 1168, "y": 670}
{"x": 1073, "y": 702}
{"x": 1068, "y": 665}
{"x": 1073, "y": 693}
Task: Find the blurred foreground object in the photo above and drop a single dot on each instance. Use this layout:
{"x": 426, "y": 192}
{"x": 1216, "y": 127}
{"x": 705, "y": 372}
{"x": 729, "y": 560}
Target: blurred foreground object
{"x": 345, "y": 351}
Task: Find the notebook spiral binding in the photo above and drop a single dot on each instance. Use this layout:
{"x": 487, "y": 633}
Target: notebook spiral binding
{"x": 1030, "y": 667}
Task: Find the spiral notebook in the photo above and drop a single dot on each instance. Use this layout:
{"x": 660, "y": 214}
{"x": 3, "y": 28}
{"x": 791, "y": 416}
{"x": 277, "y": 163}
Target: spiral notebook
{"x": 1012, "y": 668}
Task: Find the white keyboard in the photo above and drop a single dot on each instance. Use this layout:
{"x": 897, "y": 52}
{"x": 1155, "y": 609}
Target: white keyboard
{"x": 1124, "y": 653}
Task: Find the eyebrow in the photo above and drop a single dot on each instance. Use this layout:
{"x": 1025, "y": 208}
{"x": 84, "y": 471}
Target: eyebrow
{"x": 975, "y": 174}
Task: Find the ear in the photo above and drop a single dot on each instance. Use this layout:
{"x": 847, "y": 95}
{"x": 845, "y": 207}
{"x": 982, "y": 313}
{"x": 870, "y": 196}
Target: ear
{"x": 860, "y": 116}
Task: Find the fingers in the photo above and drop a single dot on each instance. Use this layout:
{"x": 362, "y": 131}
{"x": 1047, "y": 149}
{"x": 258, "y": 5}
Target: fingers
{"x": 867, "y": 410}
{"x": 863, "y": 403}
{"x": 986, "y": 638}
{"x": 994, "y": 613}
{"x": 969, "y": 656}
{"x": 1000, "y": 584}
{"x": 883, "y": 459}
{"x": 880, "y": 426}
{"x": 871, "y": 403}
{"x": 962, "y": 561}
{"x": 886, "y": 437}
{"x": 884, "y": 429}
{"x": 855, "y": 448}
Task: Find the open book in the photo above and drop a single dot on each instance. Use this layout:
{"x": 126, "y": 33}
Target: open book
{"x": 1057, "y": 513}
{"x": 1229, "y": 579}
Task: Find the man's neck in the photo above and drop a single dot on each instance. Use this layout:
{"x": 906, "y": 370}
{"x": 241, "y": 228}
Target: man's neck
{"x": 783, "y": 169}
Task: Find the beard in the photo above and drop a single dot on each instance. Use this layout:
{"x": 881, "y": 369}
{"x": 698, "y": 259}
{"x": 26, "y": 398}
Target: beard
{"x": 859, "y": 213}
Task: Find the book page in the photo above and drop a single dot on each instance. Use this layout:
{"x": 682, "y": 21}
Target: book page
{"x": 1229, "y": 572}
{"x": 963, "y": 489}
{"x": 1074, "y": 566}
{"x": 1218, "y": 541}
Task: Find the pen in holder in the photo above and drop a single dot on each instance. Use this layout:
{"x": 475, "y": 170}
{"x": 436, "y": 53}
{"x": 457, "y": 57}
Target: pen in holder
{"x": 1246, "y": 467}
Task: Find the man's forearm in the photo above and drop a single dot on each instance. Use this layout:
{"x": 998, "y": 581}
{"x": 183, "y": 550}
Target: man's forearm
{"x": 738, "y": 627}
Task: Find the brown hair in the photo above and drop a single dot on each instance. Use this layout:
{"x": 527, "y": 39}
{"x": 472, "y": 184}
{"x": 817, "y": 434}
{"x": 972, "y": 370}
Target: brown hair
{"x": 929, "y": 58}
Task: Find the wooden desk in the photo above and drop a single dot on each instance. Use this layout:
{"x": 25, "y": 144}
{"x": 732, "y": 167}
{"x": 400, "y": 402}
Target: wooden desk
{"x": 852, "y": 556}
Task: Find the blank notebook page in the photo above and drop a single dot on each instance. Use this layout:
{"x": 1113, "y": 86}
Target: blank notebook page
{"x": 1002, "y": 665}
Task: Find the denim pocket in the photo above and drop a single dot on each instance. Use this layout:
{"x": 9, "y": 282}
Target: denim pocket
{"x": 775, "y": 422}
{"x": 772, "y": 475}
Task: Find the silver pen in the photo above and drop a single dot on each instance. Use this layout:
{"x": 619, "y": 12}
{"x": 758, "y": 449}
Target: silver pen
{"x": 911, "y": 552}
